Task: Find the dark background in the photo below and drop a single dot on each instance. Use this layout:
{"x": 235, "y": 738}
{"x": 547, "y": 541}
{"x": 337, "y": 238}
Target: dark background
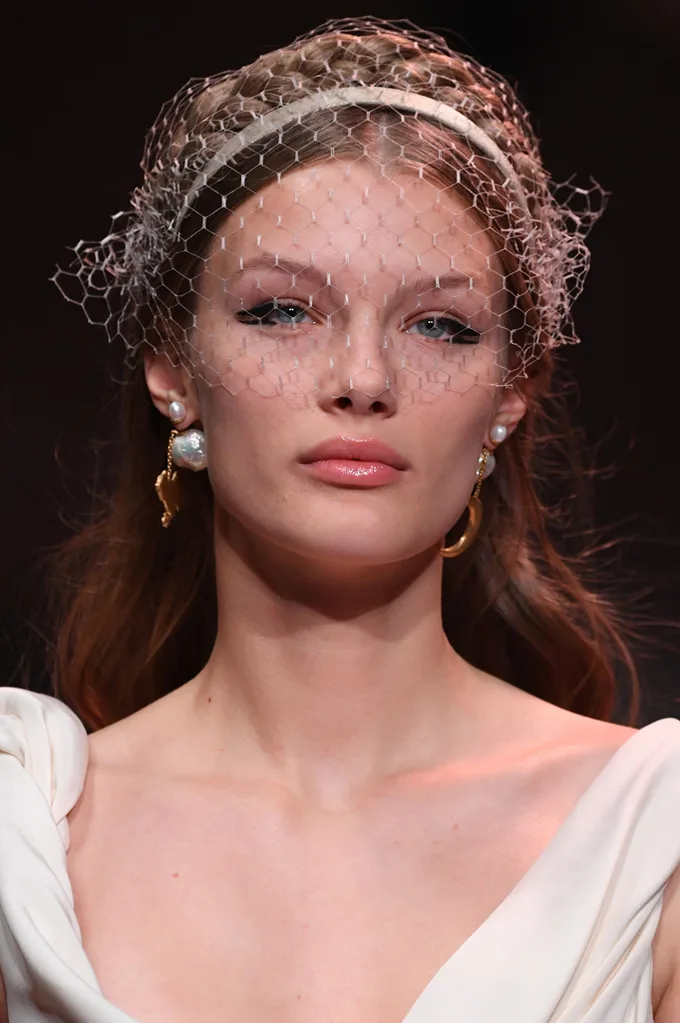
{"x": 85, "y": 81}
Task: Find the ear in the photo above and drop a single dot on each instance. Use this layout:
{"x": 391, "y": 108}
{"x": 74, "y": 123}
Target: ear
{"x": 166, "y": 383}
{"x": 508, "y": 412}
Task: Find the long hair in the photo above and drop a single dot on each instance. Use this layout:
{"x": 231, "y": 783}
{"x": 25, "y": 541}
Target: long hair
{"x": 134, "y": 605}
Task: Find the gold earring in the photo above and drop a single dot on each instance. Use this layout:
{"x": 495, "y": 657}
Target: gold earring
{"x": 474, "y": 514}
{"x": 167, "y": 486}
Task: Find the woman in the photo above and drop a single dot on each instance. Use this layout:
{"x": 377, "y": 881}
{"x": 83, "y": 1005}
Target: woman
{"x": 340, "y": 285}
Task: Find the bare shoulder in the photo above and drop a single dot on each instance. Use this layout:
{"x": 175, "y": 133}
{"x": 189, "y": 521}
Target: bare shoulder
{"x": 572, "y": 749}
{"x": 598, "y": 741}
{"x": 135, "y": 741}
{"x": 123, "y": 762}
{"x": 528, "y": 722}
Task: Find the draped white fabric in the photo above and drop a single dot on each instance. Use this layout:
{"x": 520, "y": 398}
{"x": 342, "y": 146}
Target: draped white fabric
{"x": 570, "y": 944}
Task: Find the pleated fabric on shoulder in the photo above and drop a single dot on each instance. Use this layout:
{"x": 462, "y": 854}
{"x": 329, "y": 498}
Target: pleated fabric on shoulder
{"x": 43, "y": 763}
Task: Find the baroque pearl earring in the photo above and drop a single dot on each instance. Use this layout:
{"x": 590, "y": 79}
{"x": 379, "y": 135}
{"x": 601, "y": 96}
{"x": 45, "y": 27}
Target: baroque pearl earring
{"x": 188, "y": 446}
{"x": 498, "y": 433}
{"x": 487, "y": 463}
{"x": 186, "y": 450}
{"x": 189, "y": 450}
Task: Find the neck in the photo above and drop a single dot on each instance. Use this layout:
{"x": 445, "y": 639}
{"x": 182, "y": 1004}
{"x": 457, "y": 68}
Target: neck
{"x": 330, "y": 678}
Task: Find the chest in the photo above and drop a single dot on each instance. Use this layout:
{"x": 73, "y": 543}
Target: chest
{"x": 219, "y": 905}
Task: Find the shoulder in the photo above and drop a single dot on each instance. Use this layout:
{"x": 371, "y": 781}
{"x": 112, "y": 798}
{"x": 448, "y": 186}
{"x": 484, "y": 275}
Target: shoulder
{"x": 649, "y": 767}
{"x": 146, "y": 740}
{"x": 45, "y": 746}
{"x": 126, "y": 759}
{"x": 652, "y": 759}
{"x": 567, "y": 747}
{"x": 30, "y": 721}
{"x": 43, "y": 763}
{"x": 657, "y": 770}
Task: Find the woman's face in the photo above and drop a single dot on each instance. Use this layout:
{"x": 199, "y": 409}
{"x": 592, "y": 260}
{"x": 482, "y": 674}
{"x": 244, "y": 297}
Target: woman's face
{"x": 340, "y": 303}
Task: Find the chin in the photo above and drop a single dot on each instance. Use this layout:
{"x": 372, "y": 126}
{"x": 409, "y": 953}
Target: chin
{"x": 352, "y": 547}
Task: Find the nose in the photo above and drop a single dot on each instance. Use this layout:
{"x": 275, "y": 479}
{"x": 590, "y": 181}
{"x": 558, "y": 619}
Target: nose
{"x": 358, "y": 381}
{"x": 368, "y": 392}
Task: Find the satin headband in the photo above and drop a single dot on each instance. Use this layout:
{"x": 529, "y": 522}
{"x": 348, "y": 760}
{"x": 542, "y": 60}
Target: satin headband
{"x": 356, "y": 95}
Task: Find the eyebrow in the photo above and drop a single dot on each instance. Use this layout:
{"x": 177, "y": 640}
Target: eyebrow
{"x": 453, "y": 280}
{"x": 271, "y": 261}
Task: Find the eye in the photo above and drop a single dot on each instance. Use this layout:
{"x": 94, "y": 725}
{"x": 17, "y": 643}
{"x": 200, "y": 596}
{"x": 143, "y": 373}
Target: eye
{"x": 445, "y": 328}
{"x": 275, "y": 313}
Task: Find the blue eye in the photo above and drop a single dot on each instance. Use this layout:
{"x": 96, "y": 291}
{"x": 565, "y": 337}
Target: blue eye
{"x": 445, "y": 328}
{"x": 273, "y": 313}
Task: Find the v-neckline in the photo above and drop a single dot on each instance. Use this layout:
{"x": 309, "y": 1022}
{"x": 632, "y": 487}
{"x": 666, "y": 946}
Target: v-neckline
{"x": 504, "y": 906}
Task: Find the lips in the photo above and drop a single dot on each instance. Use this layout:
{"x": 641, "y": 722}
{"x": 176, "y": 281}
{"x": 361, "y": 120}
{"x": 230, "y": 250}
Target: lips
{"x": 368, "y": 449}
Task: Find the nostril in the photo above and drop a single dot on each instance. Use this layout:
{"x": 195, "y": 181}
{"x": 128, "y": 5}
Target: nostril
{"x": 343, "y": 402}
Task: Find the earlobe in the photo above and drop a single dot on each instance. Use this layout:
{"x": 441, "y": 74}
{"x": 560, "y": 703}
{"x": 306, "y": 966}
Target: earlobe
{"x": 166, "y": 384}
{"x": 507, "y": 415}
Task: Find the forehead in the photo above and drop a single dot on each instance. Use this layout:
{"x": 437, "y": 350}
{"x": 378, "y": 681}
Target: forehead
{"x": 353, "y": 220}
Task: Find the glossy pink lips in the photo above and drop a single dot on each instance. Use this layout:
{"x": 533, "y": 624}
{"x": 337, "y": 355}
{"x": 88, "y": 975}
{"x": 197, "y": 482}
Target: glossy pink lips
{"x": 359, "y": 474}
{"x": 363, "y": 462}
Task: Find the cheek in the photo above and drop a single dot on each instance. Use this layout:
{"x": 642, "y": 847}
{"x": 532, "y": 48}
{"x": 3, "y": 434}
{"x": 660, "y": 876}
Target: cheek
{"x": 451, "y": 442}
{"x": 246, "y": 443}
{"x": 453, "y": 425}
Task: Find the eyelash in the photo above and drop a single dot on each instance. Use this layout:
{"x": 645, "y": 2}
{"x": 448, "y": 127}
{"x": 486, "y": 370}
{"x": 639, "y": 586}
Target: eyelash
{"x": 459, "y": 334}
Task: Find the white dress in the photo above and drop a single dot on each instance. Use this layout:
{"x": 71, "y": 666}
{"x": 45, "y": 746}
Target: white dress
{"x": 570, "y": 944}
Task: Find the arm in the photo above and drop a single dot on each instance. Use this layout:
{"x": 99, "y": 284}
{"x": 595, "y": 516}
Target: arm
{"x": 667, "y": 954}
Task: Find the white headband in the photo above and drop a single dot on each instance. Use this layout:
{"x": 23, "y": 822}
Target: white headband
{"x": 412, "y": 102}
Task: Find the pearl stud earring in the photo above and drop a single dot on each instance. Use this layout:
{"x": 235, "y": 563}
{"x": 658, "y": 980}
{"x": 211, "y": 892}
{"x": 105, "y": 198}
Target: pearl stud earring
{"x": 177, "y": 411}
{"x": 497, "y": 433}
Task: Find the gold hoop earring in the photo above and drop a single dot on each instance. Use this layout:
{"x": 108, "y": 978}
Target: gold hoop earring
{"x": 475, "y": 511}
{"x": 167, "y": 486}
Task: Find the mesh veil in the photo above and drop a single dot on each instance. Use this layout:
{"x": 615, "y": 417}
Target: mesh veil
{"x": 364, "y": 206}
